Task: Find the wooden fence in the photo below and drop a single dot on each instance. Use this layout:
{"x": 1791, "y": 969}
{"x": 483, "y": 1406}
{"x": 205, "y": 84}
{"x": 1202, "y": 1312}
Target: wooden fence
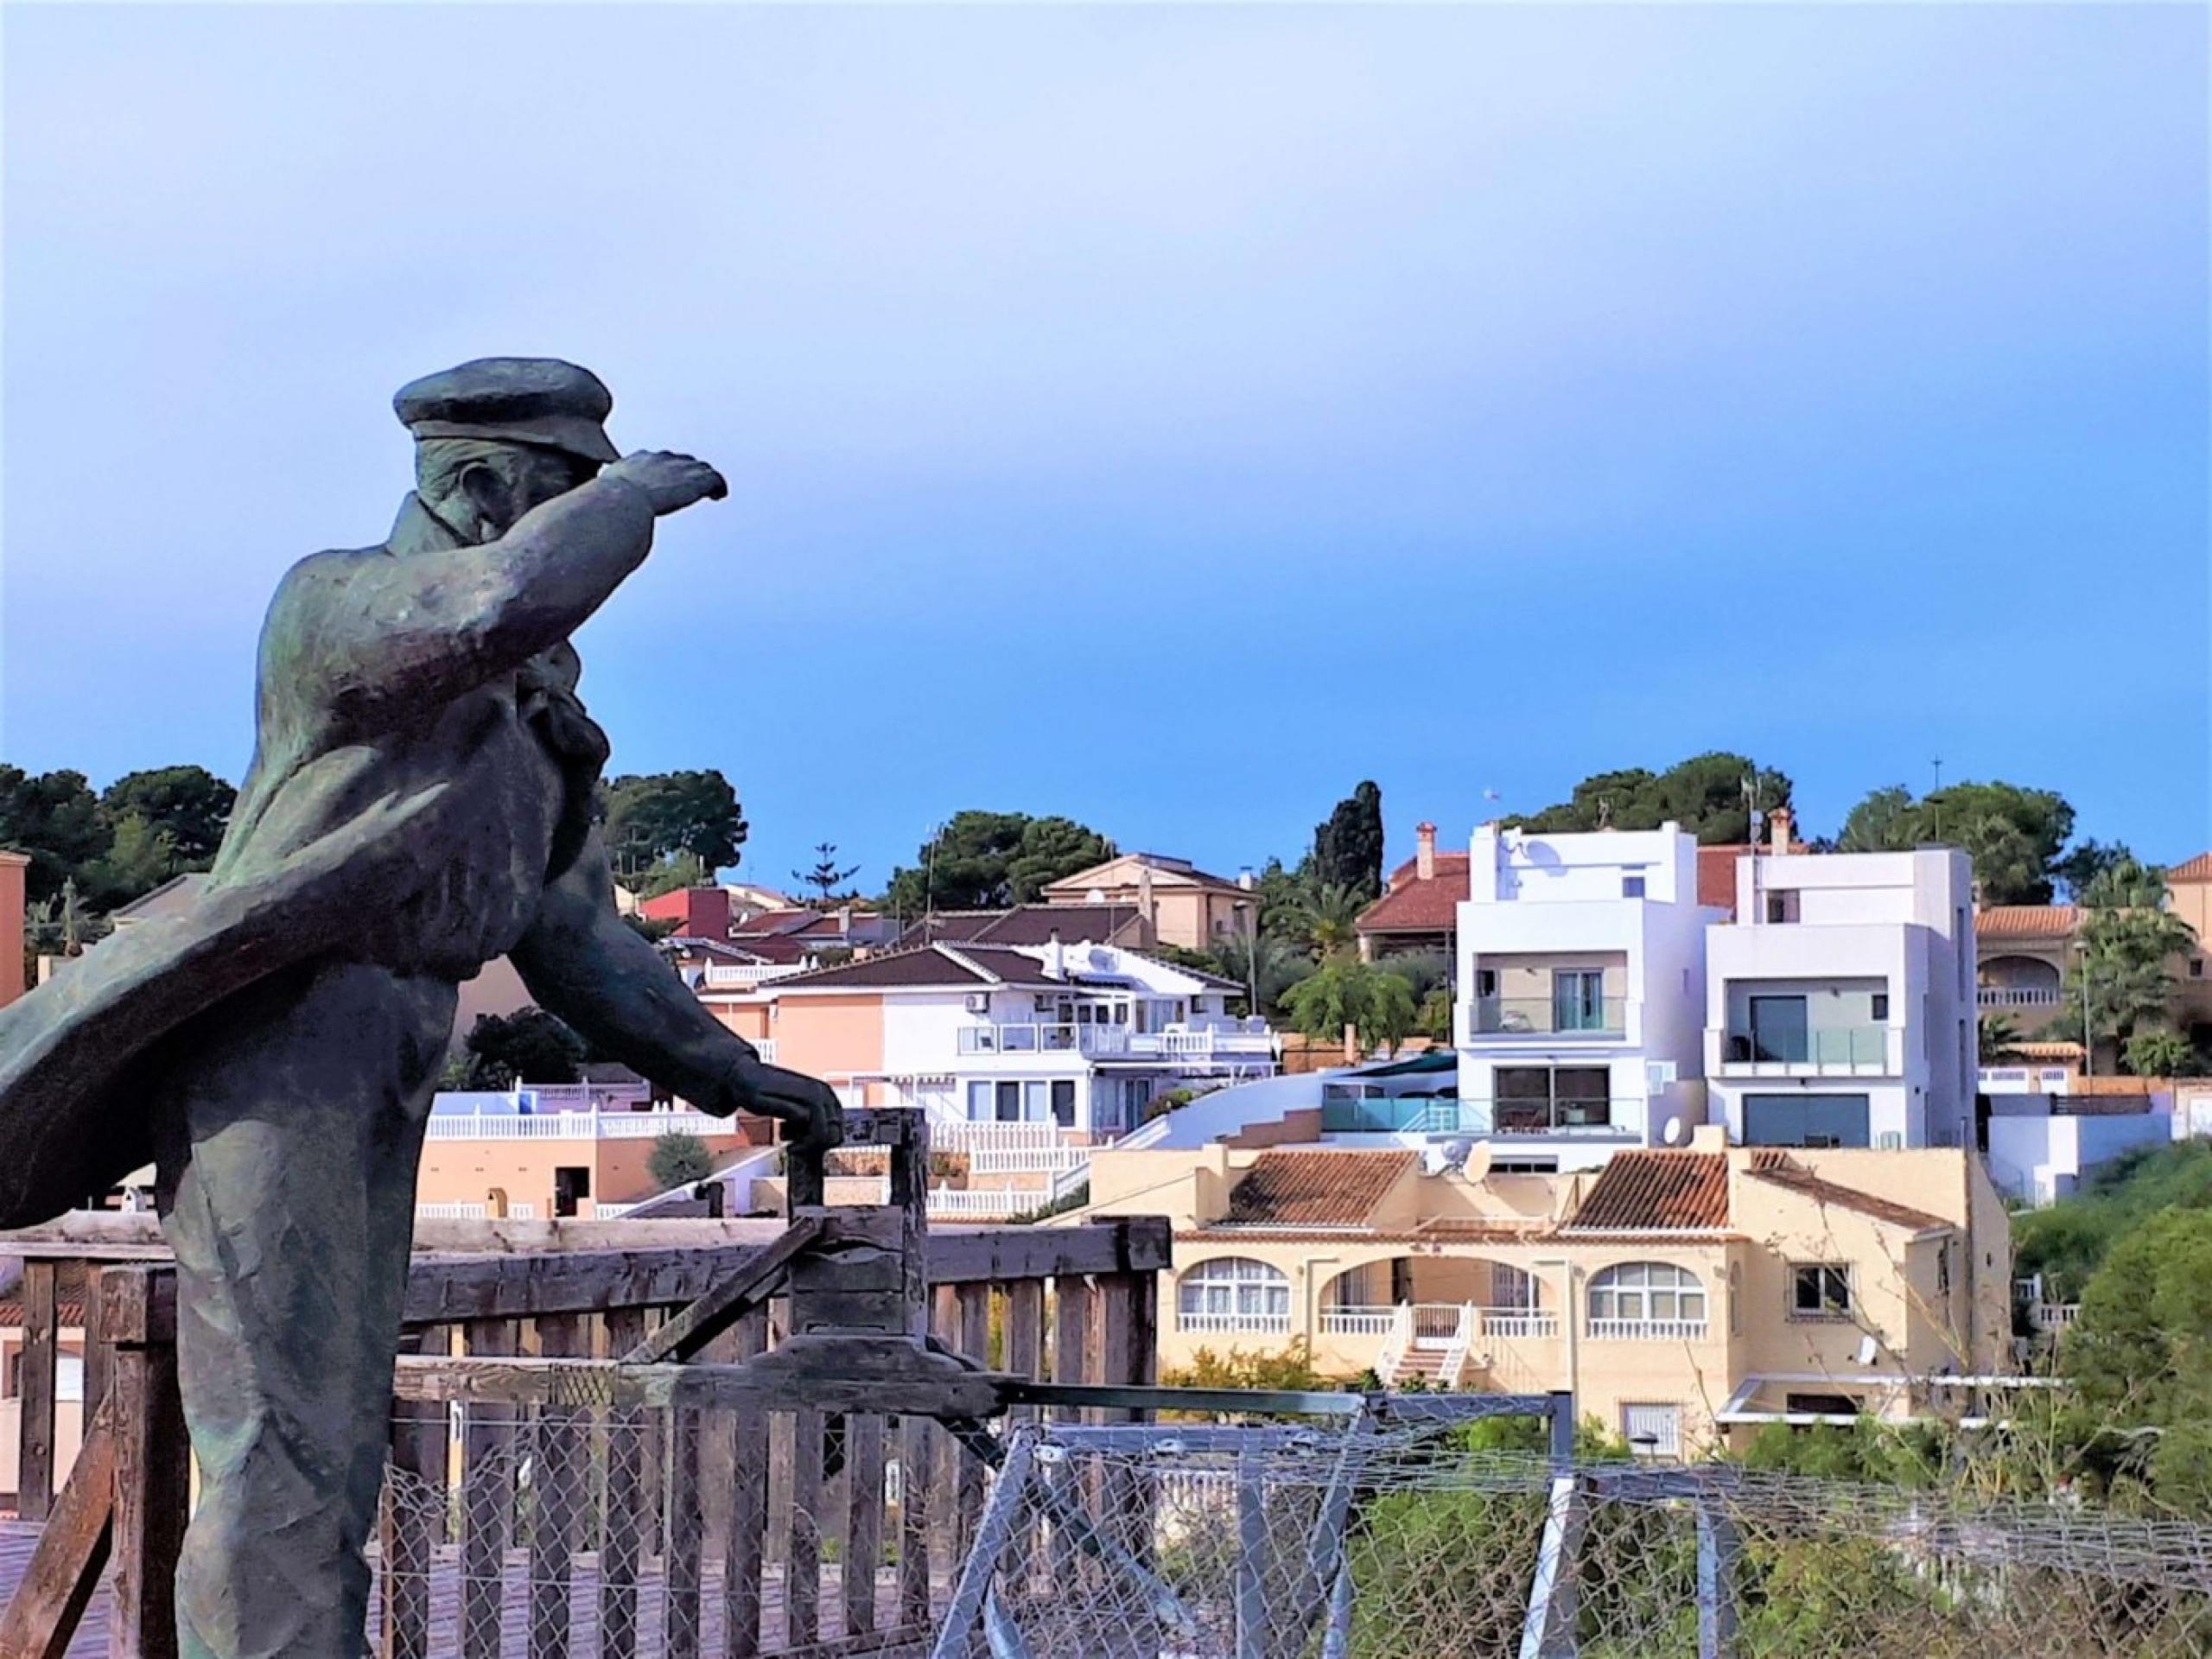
{"x": 718, "y": 1508}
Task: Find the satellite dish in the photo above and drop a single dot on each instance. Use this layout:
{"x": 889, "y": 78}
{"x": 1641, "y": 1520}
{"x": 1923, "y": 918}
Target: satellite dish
{"x": 1672, "y": 1135}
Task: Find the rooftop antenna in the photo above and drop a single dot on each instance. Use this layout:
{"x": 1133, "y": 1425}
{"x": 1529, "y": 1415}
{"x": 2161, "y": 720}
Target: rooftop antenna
{"x": 1938, "y": 764}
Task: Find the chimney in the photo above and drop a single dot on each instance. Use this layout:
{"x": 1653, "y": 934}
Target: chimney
{"x": 1056, "y": 959}
{"x": 1425, "y": 853}
{"x": 1145, "y": 905}
{"x": 1780, "y": 823}
{"x": 1245, "y": 880}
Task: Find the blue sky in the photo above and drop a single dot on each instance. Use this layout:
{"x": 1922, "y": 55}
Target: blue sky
{"x": 1166, "y": 417}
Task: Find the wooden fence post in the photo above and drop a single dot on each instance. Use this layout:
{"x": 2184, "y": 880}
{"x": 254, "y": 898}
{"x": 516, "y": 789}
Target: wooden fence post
{"x": 153, "y": 1460}
{"x": 35, "y": 1387}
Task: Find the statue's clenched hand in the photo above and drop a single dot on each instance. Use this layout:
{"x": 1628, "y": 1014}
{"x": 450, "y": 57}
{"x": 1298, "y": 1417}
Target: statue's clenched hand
{"x": 808, "y": 1105}
{"x": 671, "y": 482}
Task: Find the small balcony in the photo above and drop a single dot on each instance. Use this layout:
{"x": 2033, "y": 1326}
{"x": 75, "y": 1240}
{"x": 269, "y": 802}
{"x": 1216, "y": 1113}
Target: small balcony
{"x": 2016, "y": 997}
{"x": 1248, "y": 1038}
{"x": 1831, "y": 1050}
{"x": 1576, "y": 1019}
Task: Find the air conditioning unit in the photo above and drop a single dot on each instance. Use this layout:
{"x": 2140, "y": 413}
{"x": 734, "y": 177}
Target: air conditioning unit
{"x": 1661, "y": 1074}
{"x": 979, "y": 1003}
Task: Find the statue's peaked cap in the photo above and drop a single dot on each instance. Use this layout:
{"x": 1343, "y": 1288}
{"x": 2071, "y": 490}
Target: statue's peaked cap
{"x": 516, "y": 399}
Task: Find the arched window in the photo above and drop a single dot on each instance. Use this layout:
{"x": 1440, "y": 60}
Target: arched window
{"x": 1645, "y": 1298}
{"x": 1233, "y": 1293}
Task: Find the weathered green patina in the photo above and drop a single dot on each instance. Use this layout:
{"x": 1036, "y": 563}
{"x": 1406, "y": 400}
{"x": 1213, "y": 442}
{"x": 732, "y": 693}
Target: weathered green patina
{"x": 419, "y": 804}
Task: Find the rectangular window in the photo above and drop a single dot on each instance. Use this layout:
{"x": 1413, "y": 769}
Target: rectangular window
{"x": 1035, "y": 1099}
{"x": 1632, "y": 887}
{"x": 1653, "y": 1430}
{"x": 1819, "y": 1290}
{"x": 571, "y": 1182}
{"x": 979, "y": 1103}
{"x": 1485, "y": 981}
{"x": 1877, "y": 1006}
{"x": 2197, "y": 967}
{"x": 1577, "y": 999}
{"x": 1821, "y": 1405}
{"x": 1006, "y": 1102}
{"x": 1063, "y": 1102}
{"x": 1782, "y": 906}
{"x": 1778, "y": 1028}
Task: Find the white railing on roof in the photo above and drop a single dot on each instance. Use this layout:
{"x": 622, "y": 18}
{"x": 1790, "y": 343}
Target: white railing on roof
{"x": 451, "y": 1211}
{"x": 614, "y": 1211}
{"x": 1202, "y": 1043}
{"x": 990, "y": 1134}
{"x": 744, "y": 975}
{"x": 1028, "y": 1160}
{"x": 765, "y": 1048}
{"x": 984, "y": 1201}
{"x": 1069, "y": 1180}
{"x": 2055, "y": 1316}
{"x": 573, "y": 1126}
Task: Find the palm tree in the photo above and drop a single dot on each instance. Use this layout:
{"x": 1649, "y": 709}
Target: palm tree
{"x": 1328, "y": 916}
{"x": 1999, "y": 1038}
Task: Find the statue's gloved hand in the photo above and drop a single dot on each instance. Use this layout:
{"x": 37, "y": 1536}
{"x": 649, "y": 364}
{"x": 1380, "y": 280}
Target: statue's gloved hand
{"x": 808, "y": 1105}
{"x": 671, "y": 482}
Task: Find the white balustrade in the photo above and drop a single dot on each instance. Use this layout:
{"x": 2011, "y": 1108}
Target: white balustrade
{"x": 982, "y": 1201}
{"x": 1512, "y": 1324}
{"x": 451, "y": 1211}
{"x": 1347, "y": 1320}
{"x": 990, "y": 1135}
{"x": 574, "y": 1126}
{"x": 1277, "y": 1325}
{"x": 1647, "y": 1330}
{"x": 2055, "y": 1316}
{"x": 2016, "y": 997}
{"x": 1028, "y": 1160}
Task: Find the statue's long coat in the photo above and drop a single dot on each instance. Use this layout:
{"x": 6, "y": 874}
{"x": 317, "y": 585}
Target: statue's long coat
{"x": 397, "y": 811}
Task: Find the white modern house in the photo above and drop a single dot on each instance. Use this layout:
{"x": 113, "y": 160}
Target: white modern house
{"x": 1839, "y": 1004}
{"x": 1580, "y": 960}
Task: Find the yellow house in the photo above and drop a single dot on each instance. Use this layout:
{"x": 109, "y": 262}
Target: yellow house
{"x": 1180, "y": 902}
{"x": 1685, "y": 1297}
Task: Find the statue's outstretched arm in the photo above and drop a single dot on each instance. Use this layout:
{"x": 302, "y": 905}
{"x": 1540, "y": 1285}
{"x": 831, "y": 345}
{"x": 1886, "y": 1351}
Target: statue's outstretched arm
{"x": 584, "y": 963}
{"x": 423, "y": 628}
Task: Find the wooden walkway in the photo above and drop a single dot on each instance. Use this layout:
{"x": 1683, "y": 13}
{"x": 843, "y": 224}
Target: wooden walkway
{"x": 18, "y": 1537}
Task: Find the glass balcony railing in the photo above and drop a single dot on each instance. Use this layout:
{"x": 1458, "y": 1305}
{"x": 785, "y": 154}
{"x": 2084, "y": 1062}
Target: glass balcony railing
{"x": 1513, "y": 1016}
{"x": 1837, "y": 1045}
{"x": 1446, "y": 1115}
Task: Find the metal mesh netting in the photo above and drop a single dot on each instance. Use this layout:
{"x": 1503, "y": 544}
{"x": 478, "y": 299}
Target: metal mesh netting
{"x": 562, "y": 1531}
{"x": 1402, "y": 1542}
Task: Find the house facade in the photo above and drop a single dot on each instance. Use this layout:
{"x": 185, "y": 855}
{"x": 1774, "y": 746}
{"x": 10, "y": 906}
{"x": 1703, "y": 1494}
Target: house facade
{"x": 1687, "y": 1296}
{"x": 1023, "y": 1057}
{"x": 1839, "y": 1006}
{"x": 1579, "y": 961}
{"x": 1180, "y": 904}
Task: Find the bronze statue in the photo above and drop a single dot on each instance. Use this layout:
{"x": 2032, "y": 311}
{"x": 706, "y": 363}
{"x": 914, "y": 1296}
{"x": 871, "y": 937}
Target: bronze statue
{"x": 420, "y": 803}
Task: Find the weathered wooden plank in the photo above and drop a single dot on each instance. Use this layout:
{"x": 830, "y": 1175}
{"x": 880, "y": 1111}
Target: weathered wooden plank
{"x": 479, "y": 1270}
{"x": 700, "y": 1321}
{"x": 486, "y": 1497}
{"x": 1075, "y": 1346}
{"x": 916, "y": 1455}
{"x": 680, "y": 1604}
{"x": 34, "y": 1449}
{"x": 619, "y": 1546}
{"x": 153, "y": 1466}
{"x": 72, "y": 1549}
{"x": 864, "y": 1517}
{"x": 559, "y": 1484}
{"x": 973, "y": 1339}
{"x": 802, "y": 1572}
{"x": 748, "y": 1509}
{"x": 413, "y": 1521}
{"x": 857, "y": 1379}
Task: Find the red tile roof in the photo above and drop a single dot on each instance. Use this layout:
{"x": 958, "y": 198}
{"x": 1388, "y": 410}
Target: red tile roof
{"x": 1781, "y": 1170}
{"x": 2026, "y": 921}
{"x": 775, "y": 922}
{"x": 1652, "y": 1192}
{"x": 1101, "y": 923}
{"x": 1316, "y": 1189}
{"x": 959, "y": 966}
{"x": 2196, "y": 869}
{"x": 1412, "y": 905}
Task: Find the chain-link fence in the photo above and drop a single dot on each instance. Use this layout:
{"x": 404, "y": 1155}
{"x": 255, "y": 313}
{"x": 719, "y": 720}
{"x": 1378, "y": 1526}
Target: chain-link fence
{"x": 608, "y": 1534}
{"x": 1405, "y": 1541}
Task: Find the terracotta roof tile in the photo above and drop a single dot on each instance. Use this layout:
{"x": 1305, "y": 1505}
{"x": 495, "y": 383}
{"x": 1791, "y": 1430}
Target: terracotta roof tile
{"x": 1028, "y": 925}
{"x": 1652, "y": 1192}
{"x": 2196, "y": 869}
{"x": 2026, "y": 921}
{"x": 1315, "y": 1189}
{"x": 1412, "y": 905}
{"x": 1780, "y": 1169}
{"x": 1716, "y": 875}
